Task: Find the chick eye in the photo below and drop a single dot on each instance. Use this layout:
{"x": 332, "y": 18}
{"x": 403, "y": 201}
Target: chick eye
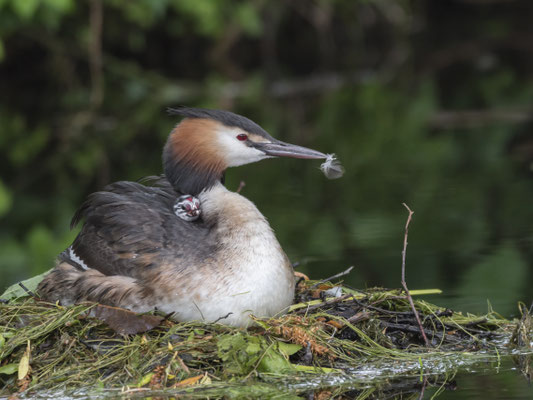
{"x": 242, "y": 137}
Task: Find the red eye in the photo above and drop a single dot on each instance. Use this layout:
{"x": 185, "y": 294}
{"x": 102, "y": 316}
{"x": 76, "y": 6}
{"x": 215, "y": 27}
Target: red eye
{"x": 242, "y": 137}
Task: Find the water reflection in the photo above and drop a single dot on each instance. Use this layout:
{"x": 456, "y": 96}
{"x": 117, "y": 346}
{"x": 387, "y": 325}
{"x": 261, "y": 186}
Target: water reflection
{"x": 486, "y": 383}
{"x": 473, "y": 298}
{"x": 456, "y": 377}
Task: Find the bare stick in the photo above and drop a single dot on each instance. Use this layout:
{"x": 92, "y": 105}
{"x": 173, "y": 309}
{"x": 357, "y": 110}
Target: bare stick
{"x": 404, "y": 283}
{"x": 332, "y": 277}
{"x": 224, "y": 317}
{"x": 28, "y": 291}
{"x": 241, "y": 185}
{"x": 324, "y": 303}
{"x": 424, "y": 384}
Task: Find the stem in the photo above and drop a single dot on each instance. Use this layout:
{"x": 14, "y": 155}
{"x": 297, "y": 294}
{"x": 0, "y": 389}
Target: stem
{"x": 332, "y": 277}
{"x": 404, "y": 283}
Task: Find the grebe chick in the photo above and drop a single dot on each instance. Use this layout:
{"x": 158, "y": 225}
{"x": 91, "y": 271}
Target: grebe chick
{"x": 187, "y": 207}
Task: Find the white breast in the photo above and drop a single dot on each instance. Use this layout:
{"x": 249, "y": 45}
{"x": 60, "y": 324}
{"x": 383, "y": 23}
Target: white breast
{"x": 250, "y": 274}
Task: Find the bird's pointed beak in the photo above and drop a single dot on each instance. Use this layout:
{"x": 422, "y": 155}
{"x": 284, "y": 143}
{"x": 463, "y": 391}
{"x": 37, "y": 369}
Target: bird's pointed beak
{"x": 277, "y": 148}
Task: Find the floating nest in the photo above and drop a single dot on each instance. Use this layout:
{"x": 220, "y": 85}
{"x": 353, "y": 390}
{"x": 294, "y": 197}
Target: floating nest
{"x": 334, "y": 341}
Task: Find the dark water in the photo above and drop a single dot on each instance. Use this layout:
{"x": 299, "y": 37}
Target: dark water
{"x": 503, "y": 383}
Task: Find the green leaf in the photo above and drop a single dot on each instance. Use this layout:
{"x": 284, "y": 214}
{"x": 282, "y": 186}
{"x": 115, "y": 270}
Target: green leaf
{"x": 288, "y": 348}
{"x": 273, "y": 362}
{"x": 145, "y": 380}
{"x": 242, "y": 353}
{"x": 239, "y": 353}
{"x": 16, "y": 291}
{"x": 24, "y": 363}
{"x": 9, "y": 369}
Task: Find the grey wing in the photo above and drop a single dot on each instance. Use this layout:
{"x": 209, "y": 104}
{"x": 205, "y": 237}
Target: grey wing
{"x": 130, "y": 229}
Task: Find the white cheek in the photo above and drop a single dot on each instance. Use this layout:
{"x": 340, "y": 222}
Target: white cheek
{"x": 235, "y": 152}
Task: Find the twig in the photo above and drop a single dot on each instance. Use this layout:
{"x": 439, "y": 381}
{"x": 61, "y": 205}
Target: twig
{"x": 414, "y": 329}
{"x": 466, "y": 328}
{"x": 28, "y": 291}
{"x": 381, "y": 310}
{"x": 332, "y": 277}
{"x": 404, "y": 283}
{"x": 224, "y": 317}
{"x": 301, "y": 275}
{"x": 241, "y": 185}
{"x": 324, "y": 303}
{"x": 424, "y": 384}
{"x": 360, "y": 316}
{"x": 182, "y": 364}
{"x": 167, "y": 316}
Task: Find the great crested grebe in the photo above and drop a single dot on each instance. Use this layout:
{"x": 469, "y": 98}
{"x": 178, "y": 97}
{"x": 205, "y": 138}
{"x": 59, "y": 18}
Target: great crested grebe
{"x": 134, "y": 250}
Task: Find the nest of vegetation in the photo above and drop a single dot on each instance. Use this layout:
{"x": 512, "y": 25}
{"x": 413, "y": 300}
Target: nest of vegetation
{"x": 331, "y": 331}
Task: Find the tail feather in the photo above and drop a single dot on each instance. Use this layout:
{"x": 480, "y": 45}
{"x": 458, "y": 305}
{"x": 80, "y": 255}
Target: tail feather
{"x": 68, "y": 285}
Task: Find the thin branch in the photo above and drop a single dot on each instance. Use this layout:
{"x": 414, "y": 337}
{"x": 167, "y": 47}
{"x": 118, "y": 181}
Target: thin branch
{"x": 404, "y": 251}
{"x": 324, "y": 303}
{"x": 403, "y": 327}
{"x": 28, "y": 291}
{"x": 332, "y": 277}
{"x": 381, "y": 310}
{"x": 241, "y": 185}
{"x": 224, "y": 317}
{"x": 404, "y": 283}
{"x": 424, "y": 384}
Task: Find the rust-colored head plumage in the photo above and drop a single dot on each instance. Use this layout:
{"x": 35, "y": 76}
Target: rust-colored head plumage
{"x": 192, "y": 160}
{"x": 206, "y": 142}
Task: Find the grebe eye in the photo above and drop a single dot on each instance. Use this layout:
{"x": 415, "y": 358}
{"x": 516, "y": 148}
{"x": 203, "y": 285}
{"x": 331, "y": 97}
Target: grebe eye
{"x": 242, "y": 137}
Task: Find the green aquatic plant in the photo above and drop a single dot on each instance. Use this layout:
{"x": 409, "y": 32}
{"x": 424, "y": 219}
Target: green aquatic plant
{"x": 320, "y": 340}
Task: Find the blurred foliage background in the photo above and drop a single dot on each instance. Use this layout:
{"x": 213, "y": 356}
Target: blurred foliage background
{"x": 425, "y": 102}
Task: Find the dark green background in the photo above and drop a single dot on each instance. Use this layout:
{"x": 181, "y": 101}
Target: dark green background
{"x": 425, "y": 102}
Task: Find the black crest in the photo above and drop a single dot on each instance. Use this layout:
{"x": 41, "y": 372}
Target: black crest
{"x": 224, "y": 117}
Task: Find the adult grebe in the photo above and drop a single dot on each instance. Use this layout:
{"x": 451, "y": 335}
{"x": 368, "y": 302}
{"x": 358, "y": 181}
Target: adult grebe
{"x": 134, "y": 252}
